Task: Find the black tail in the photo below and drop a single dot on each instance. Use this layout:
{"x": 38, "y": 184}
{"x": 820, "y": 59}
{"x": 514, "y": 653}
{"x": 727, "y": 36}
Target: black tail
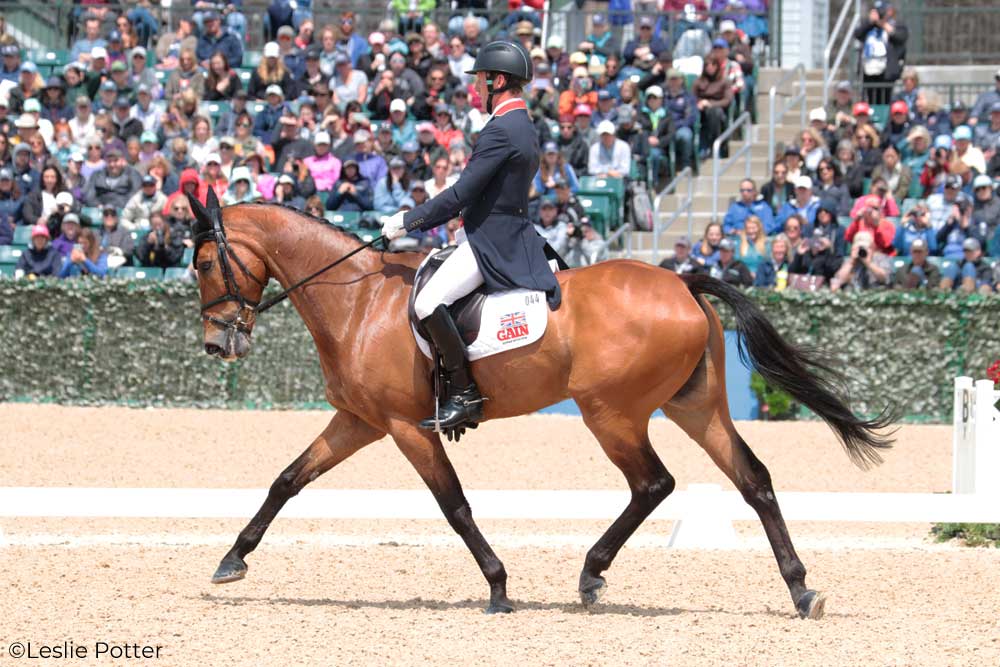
{"x": 800, "y": 372}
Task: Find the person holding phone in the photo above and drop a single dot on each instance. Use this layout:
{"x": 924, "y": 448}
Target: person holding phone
{"x": 86, "y": 258}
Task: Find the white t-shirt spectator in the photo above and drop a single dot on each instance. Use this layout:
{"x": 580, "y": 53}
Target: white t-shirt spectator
{"x": 601, "y": 160}
{"x": 348, "y": 91}
{"x": 433, "y": 190}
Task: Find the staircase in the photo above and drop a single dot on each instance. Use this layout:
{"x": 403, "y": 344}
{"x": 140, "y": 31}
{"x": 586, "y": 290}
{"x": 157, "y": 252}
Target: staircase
{"x": 785, "y": 132}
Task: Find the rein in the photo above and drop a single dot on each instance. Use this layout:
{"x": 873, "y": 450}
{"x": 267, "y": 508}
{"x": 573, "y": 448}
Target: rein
{"x": 248, "y": 308}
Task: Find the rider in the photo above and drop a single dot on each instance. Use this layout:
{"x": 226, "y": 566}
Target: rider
{"x": 503, "y": 250}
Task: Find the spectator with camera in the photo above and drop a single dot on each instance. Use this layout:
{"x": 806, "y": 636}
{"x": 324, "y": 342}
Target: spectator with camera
{"x": 748, "y": 203}
{"x": 160, "y": 247}
{"x": 729, "y": 269}
{"x": 915, "y": 225}
{"x": 827, "y": 225}
{"x": 896, "y": 175}
{"x": 819, "y": 261}
{"x": 840, "y": 111}
{"x": 115, "y": 239}
{"x": 551, "y": 227}
{"x": 883, "y": 47}
{"x": 682, "y": 262}
{"x": 957, "y": 228}
{"x": 817, "y": 121}
{"x": 86, "y": 258}
{"x": 917, "y": 273}
{"x": 870, "y": 220}
{"x": 971, "y": 273}
{"x": 865, "y": 268}
{"x": 938, "y": 166}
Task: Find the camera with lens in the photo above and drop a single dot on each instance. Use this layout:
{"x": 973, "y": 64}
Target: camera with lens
{"x": 862, "y": 253}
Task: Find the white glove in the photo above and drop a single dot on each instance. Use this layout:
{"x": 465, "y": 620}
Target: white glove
{"x": 393, "y": 228}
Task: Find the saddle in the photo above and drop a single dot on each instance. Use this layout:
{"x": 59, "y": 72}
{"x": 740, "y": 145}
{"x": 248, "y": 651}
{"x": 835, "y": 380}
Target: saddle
{"x": 489, "y": 323}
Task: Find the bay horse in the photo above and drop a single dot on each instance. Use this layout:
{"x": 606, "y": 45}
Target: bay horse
{"x": 628, "y": 339}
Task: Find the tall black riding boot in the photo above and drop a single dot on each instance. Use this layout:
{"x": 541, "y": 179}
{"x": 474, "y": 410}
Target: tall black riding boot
{"x": 463, "y": 404}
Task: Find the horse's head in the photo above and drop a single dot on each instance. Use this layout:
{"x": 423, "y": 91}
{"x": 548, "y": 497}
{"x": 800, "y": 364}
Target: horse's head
{"x": 231, "y": 278}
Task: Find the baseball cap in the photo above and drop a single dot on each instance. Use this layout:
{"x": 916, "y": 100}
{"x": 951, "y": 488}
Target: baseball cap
{"x": 605, "y": 127}
{"x": 603, "y": 95}
{"x": 361, "y": 135}
{"x": 727, "y": 26}
{"x": 148, "y": 137}
{"x": 6, "y": 174}
{"x": 962, "y": 133}
{"x": 982, "y": 181}
{"x": 286, "y": 178}
{"x": 227, "y": 141}
{"x": 69, "y": 217}
{"x": 274, "y": 89}
{"x": 547, "y": 203}
{"x": 684, "y": 241}
{"x": 425, "y": 127}
{"x": 76, "y": 157}
{"x": 550, "y": 147}
{"x": 918, "y": 244}
{"x": 397, "y": 105}
{"x": 211, "y": 15}
{"x": 286, "y": 31}
{"x": 29, "y": 66}
{"x": 24, "y": 122}
{"x": 64, "y": 198}
{"x": 43, "y": 230}
{"x": 538, "y": 52}
{"x": 654, "y": 91}
{"x": 843, "y": 85}
{"x": 720, "y": 43}
{"x": 139, "y": 51}
{"x": 10, "y": 50}
{"x": 418, "y": 185}
{"x": 213, "y": 157}
{"x": 341, "y": 59}
{"x": 792, "y": 149}
{"x": 942, "y": 141}
{"x": 410, "y": 147}
{"x": 31, "y": 105}
{"x": 959, "y": 105}
{"x": 441, "y": 108}
{"x": 995, "y": 107}
{"x": 804, "y": 182}
{"x": 98, "y": 52}
{"x": 272, "y": 50}
{"x": 971, "y": 244}
{"x": 646, "y": 22}
{"x": 953, "y": 181}
{"x": 54, "y": 82}
{"x": 578, "y": 58}
{"x": 861, "y": 109}
{"x": 322, "y": 137}
{"x": 83, "y": 101}
{"x": 122, "y": 103}
{"x": 148, "y": 180}
{"x": 143, "y": 89}
{"x": 376, "y": 37}
{"x": 109, "y": 85}
{"x": 397, "y": 161}
{"x": 598, "y": 19}
{"x": 899, "y": 106}
{"x": 727, "y": 244}
{"x": 819, "y": 113}
{"x": 119, "y": 66}
{"x": 555, "y": 42}
{"x": 626, "y": 114}
{"x": 582, "y": 110}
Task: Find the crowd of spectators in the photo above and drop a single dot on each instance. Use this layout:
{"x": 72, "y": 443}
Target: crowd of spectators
{"x": 95, "y": 154}
{"x": 909, "y": 203}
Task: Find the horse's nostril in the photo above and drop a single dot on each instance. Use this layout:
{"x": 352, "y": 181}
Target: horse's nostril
{"x": 213, "y": 349}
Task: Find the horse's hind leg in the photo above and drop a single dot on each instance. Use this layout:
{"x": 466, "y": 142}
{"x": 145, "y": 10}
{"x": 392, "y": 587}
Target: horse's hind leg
{"x": 625, "y": 441}
{"x": 700, "y": 409}
{"x": 344, "y": 435}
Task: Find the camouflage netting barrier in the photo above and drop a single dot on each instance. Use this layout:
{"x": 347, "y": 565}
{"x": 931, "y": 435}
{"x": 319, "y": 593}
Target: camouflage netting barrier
{"x": 139, "y": 343}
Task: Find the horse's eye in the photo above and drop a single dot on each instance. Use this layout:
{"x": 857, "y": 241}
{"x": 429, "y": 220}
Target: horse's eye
{"x": 205, "y": 266}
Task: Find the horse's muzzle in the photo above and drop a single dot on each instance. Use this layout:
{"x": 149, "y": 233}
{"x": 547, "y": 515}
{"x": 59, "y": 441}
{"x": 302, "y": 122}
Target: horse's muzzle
{"x": 229, "y": 345}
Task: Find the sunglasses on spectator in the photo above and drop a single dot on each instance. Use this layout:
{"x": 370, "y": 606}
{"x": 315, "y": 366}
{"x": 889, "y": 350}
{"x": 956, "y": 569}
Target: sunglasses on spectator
{"x": 825, "y": 168}
{"x": 243, "y": 125}
{"x": 746, "y": 189}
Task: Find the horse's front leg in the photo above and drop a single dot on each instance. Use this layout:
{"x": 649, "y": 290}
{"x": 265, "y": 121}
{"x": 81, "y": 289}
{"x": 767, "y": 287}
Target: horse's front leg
{"x": 424, "y": 451}
{"x": 344, "y": 435}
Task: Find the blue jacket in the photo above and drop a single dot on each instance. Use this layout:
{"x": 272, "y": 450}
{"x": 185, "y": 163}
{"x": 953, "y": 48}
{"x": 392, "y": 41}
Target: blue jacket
{"x": 767, "y": 274}
{"x": 492, "y": 197}
{"x": 907, "y": 233}
{"x": 10, "y": 212}
{"x": 226, "y": 42}
{"x": 683, "y": 108}
{"x": 265, "y": 122}
{"x": 390, "y": 201}
{"x": 738, "y": 213}
{"x": 360, "y": 200}
{"x": 99, "y": 269}
{"x": 789, "y": 208}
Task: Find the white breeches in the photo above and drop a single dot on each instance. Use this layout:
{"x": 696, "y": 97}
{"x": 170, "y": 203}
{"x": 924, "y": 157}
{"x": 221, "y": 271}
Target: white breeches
{"x": 458, "y": 276}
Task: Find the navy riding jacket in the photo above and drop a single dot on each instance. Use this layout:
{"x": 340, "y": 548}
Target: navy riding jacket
{"x": 491, "y": 195}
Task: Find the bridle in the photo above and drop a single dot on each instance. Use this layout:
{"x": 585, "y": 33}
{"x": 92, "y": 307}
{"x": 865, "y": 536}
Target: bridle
{"x": 248, "y": 309}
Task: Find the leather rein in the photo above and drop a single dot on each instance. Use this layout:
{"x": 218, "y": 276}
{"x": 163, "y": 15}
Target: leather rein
{"x": 249, "y": 309}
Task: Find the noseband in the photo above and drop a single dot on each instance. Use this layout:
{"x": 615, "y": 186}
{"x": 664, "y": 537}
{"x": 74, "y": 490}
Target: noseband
{"x": 243, "y": 317}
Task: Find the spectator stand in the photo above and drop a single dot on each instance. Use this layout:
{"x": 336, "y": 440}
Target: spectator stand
{"x": 720, "y": 168}
{"x": 663, "y": 220}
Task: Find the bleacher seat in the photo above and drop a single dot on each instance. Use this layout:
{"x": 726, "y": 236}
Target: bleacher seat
{"x": 9, "y": 254}
{"x": 162, "y": 76}
{"x": 599, "y": 209}
{"x": 22, "y": 235}
{"x": 90, "y": 215}
{"x": 139, "y": 273}
{"x": 188, "y": 256}
{"x": 256, "y": 107}
{"x": 54, "y": 58}
{"x": 343, "y": 218}
{"x": 245, "y": 75}
{"x": 880, "y": 114}
{"x": 175, "y": 273}
{"x": 215, "y": 109}
{"x": 7, "y": 270}
{"x": 251, "y": 59}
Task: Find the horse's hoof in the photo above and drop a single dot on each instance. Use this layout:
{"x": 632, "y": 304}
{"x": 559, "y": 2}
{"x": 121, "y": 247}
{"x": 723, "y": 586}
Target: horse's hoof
{"x": 812, "y": 605}
{"x": 500, "y": 607}
{"x": 230, "y": 570}
{"x": 593, "y": 592}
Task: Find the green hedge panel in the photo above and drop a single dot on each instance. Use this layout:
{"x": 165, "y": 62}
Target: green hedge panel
{"x": 139, "y": 343}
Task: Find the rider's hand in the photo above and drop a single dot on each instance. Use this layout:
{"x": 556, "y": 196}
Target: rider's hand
{"x": 393, "y": 228}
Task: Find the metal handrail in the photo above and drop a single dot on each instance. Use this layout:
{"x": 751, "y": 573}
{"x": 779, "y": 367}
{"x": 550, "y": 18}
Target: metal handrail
{"x": 626, "y": 231}
{"x": 830, "y": 71}
{"x": 687, "y": 206}
{"x": 774, "y": 117}
{"x": 717, "y": 171}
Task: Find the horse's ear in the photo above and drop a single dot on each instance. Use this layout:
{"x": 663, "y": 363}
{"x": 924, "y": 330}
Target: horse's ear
{"x": 202, "y": 223}
{"x": 212, "y": 203}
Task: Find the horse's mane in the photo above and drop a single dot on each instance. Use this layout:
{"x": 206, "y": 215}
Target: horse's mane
{"x": 308, "y": 216}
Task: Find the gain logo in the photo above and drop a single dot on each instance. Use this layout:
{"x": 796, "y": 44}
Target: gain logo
{"x": 512, "y": 327}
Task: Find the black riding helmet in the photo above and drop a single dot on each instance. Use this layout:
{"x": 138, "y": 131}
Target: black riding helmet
{"x": 502, "y": 57}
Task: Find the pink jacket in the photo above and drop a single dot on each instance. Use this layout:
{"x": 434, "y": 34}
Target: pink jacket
{"x": 325, "y": 170}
